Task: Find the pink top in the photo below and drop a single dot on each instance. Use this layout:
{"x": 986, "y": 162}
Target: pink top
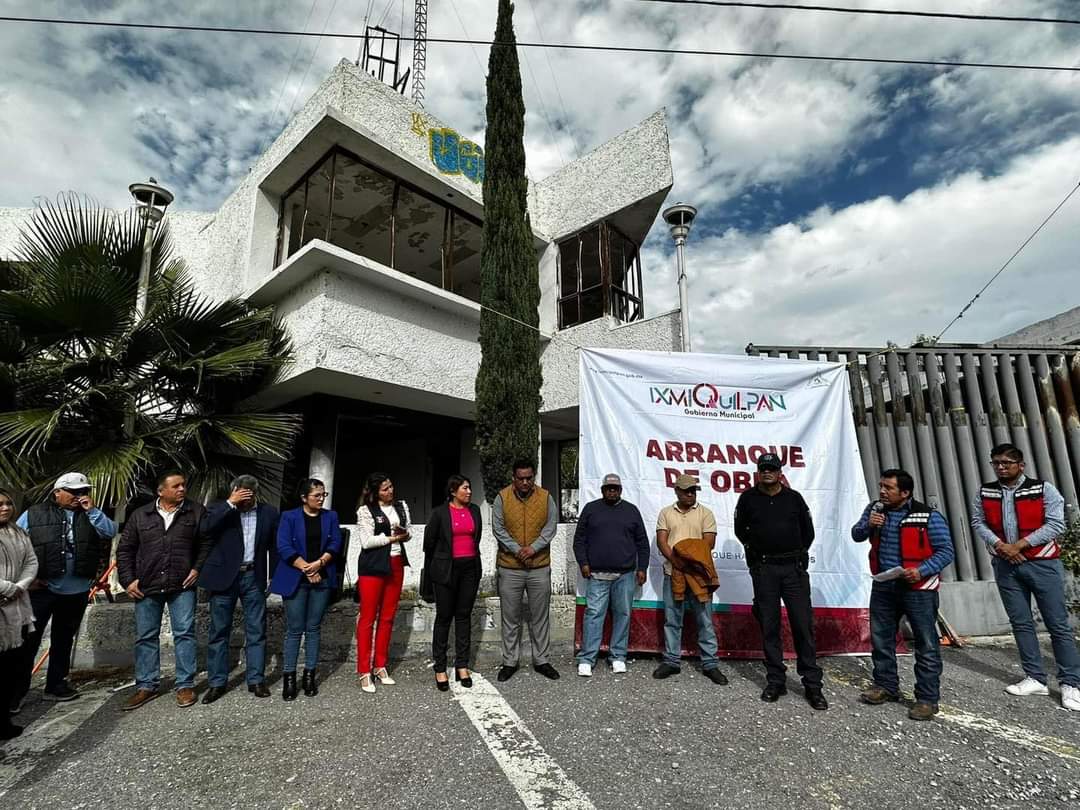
{"x": 462, "y": 528}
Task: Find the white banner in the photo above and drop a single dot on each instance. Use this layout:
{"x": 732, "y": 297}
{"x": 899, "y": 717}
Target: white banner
{"x": 650, "y": 416}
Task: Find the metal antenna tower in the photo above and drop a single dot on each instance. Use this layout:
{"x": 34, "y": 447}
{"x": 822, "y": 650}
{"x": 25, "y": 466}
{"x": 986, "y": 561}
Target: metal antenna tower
{"x": 419, "y": 58}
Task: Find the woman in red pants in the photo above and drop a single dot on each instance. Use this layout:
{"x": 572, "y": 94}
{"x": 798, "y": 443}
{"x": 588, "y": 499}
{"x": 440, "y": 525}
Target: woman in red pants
{"x": 384, "y": 528}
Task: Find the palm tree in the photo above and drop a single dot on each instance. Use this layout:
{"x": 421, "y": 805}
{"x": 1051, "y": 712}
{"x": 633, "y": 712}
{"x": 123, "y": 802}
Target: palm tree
{"x": 85, "y": 385}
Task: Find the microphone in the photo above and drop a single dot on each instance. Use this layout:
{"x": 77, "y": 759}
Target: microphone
{"x": 876, "y": 508}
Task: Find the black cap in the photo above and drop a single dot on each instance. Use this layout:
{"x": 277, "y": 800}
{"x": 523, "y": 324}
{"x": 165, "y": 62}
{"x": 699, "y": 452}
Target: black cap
{"x": 767, "y": 460}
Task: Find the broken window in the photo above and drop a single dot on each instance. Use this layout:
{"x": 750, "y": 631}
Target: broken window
{"x": 599, "y": 274}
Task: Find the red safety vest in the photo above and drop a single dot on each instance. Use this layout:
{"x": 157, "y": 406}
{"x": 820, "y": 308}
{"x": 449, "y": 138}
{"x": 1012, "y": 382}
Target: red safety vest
{"x": 915, "y": 548}
{"x": 1030, "y": 504}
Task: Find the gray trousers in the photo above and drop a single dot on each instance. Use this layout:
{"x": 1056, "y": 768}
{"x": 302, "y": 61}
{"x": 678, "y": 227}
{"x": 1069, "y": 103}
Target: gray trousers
{"x": 514, "y": 583}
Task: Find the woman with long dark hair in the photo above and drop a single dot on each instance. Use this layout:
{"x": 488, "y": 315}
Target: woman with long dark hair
{"x": 452, "y": 562}
{"x": 383, "y": 528}
{"x": 18, "y": 567}
{"x": 308, "y": 543}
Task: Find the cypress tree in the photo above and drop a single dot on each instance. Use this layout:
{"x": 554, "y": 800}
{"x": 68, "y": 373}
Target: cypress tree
{"x": 508, "y": 384}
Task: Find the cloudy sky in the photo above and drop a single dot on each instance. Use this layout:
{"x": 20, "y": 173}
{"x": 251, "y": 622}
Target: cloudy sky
{"x": 840, "y": 204}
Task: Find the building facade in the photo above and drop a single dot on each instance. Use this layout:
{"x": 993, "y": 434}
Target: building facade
{"x": 361, "y": 224}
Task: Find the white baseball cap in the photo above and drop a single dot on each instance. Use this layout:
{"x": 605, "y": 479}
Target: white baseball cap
{"x": 72, "y": 480}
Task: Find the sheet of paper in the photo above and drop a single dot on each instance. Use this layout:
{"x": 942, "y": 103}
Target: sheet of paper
{"x": 893, "y": 573}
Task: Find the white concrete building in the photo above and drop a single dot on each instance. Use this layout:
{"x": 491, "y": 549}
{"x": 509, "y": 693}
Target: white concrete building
{"x": 362, "y": 224}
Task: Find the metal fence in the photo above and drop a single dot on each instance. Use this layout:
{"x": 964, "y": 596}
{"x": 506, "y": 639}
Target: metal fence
{"x": 937, "y": 411}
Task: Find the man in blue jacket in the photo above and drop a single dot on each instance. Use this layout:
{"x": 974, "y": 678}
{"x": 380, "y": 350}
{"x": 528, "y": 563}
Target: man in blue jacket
{"x": 612, "y": 550}
{"x": 241, "y": 531}
{"x": 910, "y": 545}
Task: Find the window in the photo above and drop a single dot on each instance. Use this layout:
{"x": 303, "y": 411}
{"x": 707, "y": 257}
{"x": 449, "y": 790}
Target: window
{"x": 357, "y": 207}
{"x": 599, "y": 274}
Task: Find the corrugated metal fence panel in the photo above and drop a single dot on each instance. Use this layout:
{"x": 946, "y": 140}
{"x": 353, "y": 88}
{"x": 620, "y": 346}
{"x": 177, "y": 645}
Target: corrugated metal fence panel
{"x": 937, "y": 411}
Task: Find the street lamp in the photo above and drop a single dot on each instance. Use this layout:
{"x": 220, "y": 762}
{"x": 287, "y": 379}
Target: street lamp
{"x": 679, "y": 219}
{"x": 151, "y": 201}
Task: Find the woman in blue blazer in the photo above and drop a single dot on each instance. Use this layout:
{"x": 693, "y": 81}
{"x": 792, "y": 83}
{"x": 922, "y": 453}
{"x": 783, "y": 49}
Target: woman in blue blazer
{"x": 308, "y": 543}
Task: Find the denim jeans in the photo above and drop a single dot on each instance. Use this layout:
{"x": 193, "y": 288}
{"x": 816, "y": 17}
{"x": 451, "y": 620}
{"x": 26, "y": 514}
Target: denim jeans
{"x": 888, "y": 602}
{"x": 1043, "y": 579}
{"x": 673, "y": 624}
{"x": 148, "y": 613}
{"x": 599, "y": 594}
{"x": 222, "y": 604}
{"x": 304, "y": 612}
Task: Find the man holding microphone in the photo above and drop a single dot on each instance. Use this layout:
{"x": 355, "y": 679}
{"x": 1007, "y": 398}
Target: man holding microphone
{"x": 910, "y": 545}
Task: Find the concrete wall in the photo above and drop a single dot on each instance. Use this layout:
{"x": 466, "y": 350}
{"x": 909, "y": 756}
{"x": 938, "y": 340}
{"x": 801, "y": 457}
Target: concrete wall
{"x": 560, "y": 357}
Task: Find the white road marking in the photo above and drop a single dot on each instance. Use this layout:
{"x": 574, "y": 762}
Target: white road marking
{"x": 1024, "y": 737}
{"x": 45, "y": 733}
{"x": 539, "y": 781}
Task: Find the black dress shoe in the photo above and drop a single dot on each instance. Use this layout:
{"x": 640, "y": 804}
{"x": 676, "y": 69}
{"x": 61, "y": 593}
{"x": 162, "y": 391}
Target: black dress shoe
{"x": 288, "y": 686}
{"x": 716, "y": 676}
{"x": 466, "y": 681}
{"x": 311, "y": 688}
{"x": 506, "y": 673}
{"x": 442, "y": 686}
{"x": 259, "y": 689}
{"x": 548, "y": 671}
{"x": 665, "y": 670}
{"x": 212, "y": 694}
{"x": 773, "y": 692}
{"x": 816, "y": 700}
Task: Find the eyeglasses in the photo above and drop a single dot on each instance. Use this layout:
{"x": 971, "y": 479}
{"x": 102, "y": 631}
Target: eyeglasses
{"x": 317, "y": 495}
{"x": 1004, "y": 463}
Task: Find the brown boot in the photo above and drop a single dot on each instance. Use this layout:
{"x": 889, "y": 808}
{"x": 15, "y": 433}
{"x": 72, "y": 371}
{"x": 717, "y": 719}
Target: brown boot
{"x": 185, "y": 697}
{"x": 875, "y": 696}
{"x": 140, "y": 697}
{"x": 922, "y": 711}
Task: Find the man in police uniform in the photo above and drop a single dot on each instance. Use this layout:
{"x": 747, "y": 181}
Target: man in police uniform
{"x": 1020, "y": 519}
{"x": 773, "y": 522}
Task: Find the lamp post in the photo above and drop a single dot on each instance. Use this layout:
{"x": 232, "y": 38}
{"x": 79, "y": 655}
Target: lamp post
{"x": 151, "y": 201}
{"x": 679, "y": 219}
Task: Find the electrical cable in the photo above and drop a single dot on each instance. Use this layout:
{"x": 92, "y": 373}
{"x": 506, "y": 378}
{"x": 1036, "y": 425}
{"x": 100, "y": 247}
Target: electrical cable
{"x": 1003, "y": 267}
{"x": 890, "y": 12}
{"x": 311, "y": 61}
{"x": 568, "y": 46}
{"x": 555, "y": 80}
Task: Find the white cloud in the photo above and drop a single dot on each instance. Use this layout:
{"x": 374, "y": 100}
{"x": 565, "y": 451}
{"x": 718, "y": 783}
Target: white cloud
{"x": 94, "y": 109}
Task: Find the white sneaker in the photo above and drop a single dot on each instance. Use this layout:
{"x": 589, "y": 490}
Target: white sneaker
{"x": 1026, "y": 687}
{"x": 1070, "y": 698}
{"x": 618, "y": 667}
{"x": 584, "y": 670}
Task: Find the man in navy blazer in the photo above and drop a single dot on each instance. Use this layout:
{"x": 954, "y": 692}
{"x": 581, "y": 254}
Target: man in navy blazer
{"x": 241, "y": 531}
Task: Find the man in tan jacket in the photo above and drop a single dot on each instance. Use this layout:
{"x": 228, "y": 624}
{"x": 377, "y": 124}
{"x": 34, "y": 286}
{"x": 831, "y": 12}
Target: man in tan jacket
{"x": 683, "y": 520}
{"x": 524, "y": 518}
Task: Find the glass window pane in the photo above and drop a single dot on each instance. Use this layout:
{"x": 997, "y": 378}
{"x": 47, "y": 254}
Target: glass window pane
{"x": 568, "y": 312}
{"x": 292, "y": 222}
{"x": 590, "y": 258}
{"x": 363, "y": 203}
{"x": 318, "y": 203}
{"x": 419, "y": 228}
{"x": 592, "y": 304}
{"x": 568, "y": 258}
{"x": 465, "y": 252}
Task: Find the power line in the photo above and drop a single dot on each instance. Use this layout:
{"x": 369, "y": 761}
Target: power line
{"x": 890, "y": 12}
{"x": 288, "y": 74}
{"x": 1003, "y": 267}
{"x": 568, "y": 46}
{"x": 311, "y": 61}
{"x": 555, "y": 80}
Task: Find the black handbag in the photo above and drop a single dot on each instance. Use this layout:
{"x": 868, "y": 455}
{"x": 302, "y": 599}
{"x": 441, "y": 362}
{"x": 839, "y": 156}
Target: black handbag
{"x": 427, "y": 587}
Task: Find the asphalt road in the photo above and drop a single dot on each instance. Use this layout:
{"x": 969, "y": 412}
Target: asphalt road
{"x": 612, "y": 741}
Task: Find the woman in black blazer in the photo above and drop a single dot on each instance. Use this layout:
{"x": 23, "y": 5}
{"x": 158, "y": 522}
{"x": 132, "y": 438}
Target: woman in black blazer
{"x": 452, "y": 562}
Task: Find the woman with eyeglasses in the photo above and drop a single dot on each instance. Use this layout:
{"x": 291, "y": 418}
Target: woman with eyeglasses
{"x": 308, "y": 543}
{"x": 452, "y": 562}
{"x": 383, "y": 525}
{"x": 18, "y": 567}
